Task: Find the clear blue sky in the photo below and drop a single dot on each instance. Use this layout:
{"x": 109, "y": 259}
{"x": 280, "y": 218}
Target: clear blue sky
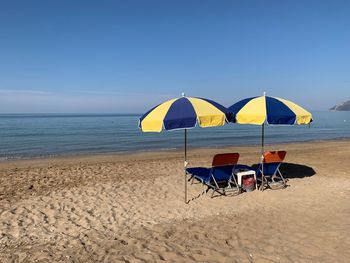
{"x": 126, "y": 56}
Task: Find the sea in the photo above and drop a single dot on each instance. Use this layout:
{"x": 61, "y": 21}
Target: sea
{"x": 28, "y": 136}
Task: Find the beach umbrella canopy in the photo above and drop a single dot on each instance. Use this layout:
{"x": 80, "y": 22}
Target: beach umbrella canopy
{"x": 268, "y": 110}
{"x": 184, "y": 113}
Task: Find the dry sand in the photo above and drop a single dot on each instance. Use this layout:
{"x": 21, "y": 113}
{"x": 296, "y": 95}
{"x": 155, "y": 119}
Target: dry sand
{"x": 130, "y": 208}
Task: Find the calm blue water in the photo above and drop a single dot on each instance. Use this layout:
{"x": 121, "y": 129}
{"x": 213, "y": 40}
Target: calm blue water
{"x": 30, "y": 136}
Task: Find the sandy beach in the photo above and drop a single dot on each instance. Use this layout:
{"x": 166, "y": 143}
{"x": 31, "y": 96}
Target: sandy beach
{"x": 130, "y": 208}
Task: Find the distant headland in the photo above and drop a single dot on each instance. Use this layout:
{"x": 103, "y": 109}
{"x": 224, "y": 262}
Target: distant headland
{"x": 345, "y": 106}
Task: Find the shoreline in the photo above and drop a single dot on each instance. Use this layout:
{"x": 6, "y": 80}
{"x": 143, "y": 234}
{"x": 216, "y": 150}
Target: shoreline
{"x": 151, "y": 154}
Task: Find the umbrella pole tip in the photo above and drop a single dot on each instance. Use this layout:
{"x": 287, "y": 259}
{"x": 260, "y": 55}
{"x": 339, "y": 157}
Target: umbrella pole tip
{"x": 264, "y": 93}
{"x": 183, "y": 94}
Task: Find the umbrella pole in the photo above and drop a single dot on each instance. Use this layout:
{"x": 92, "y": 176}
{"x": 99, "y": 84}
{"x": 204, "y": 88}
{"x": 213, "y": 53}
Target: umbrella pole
{"x": 262, "y": 157}
{"x": 185, "y": 165}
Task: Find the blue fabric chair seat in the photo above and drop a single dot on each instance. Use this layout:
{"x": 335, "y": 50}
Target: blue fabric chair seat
{"x": 219, "y": 177}
{"x": 200, "y": 173}
{"x": 222, "y": 173}
{"x": 269, "y": 169}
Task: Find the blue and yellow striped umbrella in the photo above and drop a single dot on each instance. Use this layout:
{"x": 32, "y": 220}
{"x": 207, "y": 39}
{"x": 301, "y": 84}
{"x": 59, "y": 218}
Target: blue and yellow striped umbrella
{"x": 269, "y": 110}
{"x": 184, "y": 113}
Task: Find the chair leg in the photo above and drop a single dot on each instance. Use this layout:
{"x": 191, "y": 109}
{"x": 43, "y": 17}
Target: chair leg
{"x": 266, "y": 182}
{"x": 216, "y": 189}
{"x": 234, "y": 181}
{"x": 280, "y": 174}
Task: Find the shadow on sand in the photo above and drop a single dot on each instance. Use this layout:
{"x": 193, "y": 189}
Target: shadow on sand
{"x": 293, "y": 170}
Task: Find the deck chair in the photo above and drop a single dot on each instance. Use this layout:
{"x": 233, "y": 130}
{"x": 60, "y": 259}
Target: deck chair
{"x": 219, "y": 177}
{"x": 272, "y": 174}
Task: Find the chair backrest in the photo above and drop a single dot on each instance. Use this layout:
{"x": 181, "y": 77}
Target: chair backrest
{"x": 223, "y": 165}
{"x": 274, "y": 157}
{"x": 222, "y": 173}
{"x": 272, "y": 162}
{"x": 225, "y": 159}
